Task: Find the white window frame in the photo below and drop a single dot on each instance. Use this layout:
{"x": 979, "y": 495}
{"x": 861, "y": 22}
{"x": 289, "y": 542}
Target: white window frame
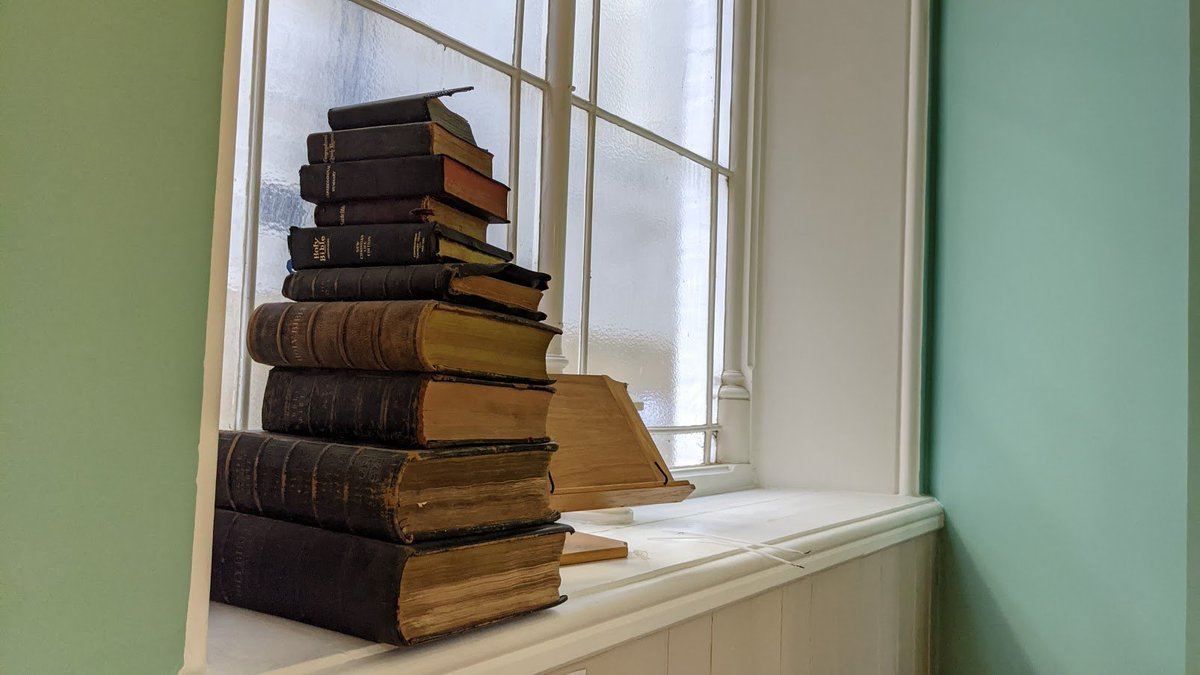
{"x": 557, "y": 104}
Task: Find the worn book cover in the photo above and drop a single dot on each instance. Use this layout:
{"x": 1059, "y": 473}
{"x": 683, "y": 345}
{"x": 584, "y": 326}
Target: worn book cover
{"x": 400, "y": 594}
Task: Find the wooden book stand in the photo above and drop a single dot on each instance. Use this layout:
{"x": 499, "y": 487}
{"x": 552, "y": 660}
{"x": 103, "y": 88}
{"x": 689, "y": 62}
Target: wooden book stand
{"x": 606, "y": 458}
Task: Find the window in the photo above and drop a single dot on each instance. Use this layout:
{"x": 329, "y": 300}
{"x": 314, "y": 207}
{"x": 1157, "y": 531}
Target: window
{"x": 647, "y": 192}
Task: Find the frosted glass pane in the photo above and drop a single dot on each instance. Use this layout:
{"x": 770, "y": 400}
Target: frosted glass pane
{"x": 572, "y": 281}
{"x": 486, "y": 25}
{"x": 657, "y": 67}
{"x": 648, "y": 320}
{"x": 533, "y": 38}
{"x": 719, "y": 299}
{"x": 582, "y": 59}
{"x": 324, "y": 53}
{"x": 529, "y": 194}
{"x": 234, "y": 344}
{"x": 726, "y": 82}
{"x": 681, "y": 449}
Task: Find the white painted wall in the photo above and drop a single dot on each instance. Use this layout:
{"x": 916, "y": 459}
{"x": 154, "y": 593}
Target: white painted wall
{"x": 868, "y": 615}
{"x": 834, "y": 156}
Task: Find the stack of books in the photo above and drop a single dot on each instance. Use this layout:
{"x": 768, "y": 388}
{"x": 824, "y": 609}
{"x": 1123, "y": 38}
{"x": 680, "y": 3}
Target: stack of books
{"x": 400, "y": 490}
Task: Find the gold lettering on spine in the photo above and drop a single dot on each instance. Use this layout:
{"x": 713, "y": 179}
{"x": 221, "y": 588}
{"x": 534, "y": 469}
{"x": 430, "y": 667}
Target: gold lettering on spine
{"x": 329, "y": 180}
{"x": 320, "y": 248}
{"x": 291, "y": 352}
{"x": 330, "y": 143}
{"x": 418, "y": 246}
{"x": 342, "y": 214}
{"x": 363, "y": 246}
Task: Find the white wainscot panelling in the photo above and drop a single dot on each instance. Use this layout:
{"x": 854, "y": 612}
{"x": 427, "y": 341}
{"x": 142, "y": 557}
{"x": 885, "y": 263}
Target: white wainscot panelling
{"x": 867, "y": 615}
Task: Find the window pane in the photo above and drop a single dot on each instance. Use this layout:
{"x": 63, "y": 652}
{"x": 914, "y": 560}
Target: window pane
{"x": 681, "y": 449}
{"x": 648, "y": 319}
{"x": 529, "y": 192}
{"x": 719, "y": 299}
{"x": 658, "y": 67}
{"x": 324, "y": 53}
{"x": 582, "y": 59}
{"x": 572, "y": 281}
{"x": 486, "y": 25}
{"x": 726, "y": 81}
{"x": 533, "y": 38}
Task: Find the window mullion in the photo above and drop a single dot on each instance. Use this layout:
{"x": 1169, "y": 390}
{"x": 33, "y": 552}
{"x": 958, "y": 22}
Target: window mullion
{"x": 253, "y": 191}
{"x": 514, "y": 129}
{"x": 555, "y": 164}
{"x": 589, "y": 197}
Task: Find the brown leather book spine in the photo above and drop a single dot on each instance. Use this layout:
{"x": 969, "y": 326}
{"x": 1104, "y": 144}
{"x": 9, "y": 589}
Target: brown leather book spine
{"x": 412, "y": 282}
{"x": 331, "y": 485}
{"x": 371, "y": 407}
{"x": 434, "y": 176}
{"x": 368, "y": 335}
{"x": 372, "y": 179}
{"x": 368, "y": 212}
{"x": 337, "y": 581}
{"x": 397, "y": 140}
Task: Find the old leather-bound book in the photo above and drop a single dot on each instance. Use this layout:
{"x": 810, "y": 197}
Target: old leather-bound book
{"x": 387, "y": 244}
{"x": 403, "y": 409}
{"x": 398, "y": 495}
{"x": 378, "y": 590}
{"x": 423, "y": 336}
{"x": 401, "y": 210}
{"x": 502, "y": 288}
{"x": 437, "y": 176}
{"x": 396, "y": 140}
{"x": 423, "y": 107}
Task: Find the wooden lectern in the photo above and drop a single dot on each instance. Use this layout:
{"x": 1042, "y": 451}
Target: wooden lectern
{"x": 606, "y": 458}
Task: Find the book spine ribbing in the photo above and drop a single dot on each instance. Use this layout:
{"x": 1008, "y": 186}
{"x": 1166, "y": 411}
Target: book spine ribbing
{"x": 337, "y": 581}
{"x": 330, "y": 485}
{"x": 337, "y": 405}
{"x": 414, "y": 282}
{"x": 369, "y": 335}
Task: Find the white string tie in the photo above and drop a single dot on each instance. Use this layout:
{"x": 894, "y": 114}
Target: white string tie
{"x": 757, "y": 548}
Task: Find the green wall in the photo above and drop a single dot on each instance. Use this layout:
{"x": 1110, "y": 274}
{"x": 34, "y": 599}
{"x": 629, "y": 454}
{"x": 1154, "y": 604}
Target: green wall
{"x": 108, "y": 139}
{"x": 1058, "y": 428}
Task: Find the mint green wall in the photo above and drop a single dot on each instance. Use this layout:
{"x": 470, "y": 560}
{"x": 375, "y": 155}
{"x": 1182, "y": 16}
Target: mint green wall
{"x": 1058, "y": 432}
{"x": 108, "y": 144}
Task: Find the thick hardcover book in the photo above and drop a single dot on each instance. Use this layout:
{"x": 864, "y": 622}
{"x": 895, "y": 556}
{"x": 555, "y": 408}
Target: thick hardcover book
{"x": 403, "y": 409}
{"x": 387, "y": 244}
{"x": 504, "y": 288}
{"x": 395, "y": 140}
{"x": 397, "y": 495}
{"x": 436, "y": 176}
{"x": 424, "y": 336}
{"x": 378, "y": 590}
{"x": 424, "y": 107}
{"x": 402, "y": 210}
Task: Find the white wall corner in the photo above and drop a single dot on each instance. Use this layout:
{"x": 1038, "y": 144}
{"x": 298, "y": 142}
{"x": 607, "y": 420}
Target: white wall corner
{"x": 837, "y": 332}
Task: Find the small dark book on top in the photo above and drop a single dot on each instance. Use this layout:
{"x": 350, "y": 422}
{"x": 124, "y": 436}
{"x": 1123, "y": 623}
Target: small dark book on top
{"x": 397, "y": 495}
{"x": 378, "y": 590}
{"x": 387, "y": 244}
{"x": 504, "y": 287}
{"x": 425, "y": 107}
{"x": 396, "y": 140}
{"x": 437, "y": 176}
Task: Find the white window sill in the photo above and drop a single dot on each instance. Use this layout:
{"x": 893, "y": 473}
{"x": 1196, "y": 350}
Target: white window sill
{"x": 666, "y": 579}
